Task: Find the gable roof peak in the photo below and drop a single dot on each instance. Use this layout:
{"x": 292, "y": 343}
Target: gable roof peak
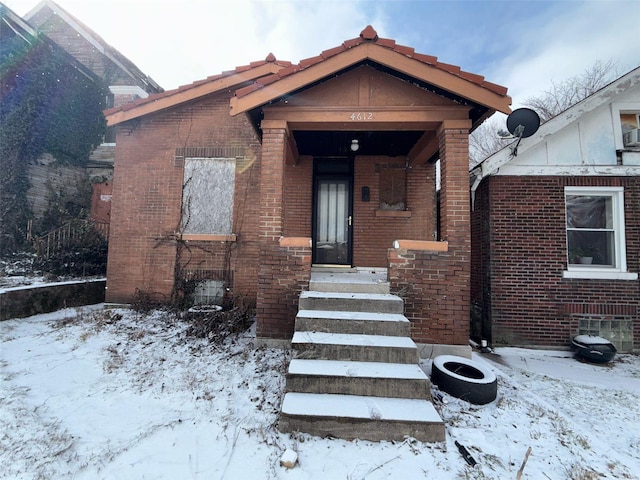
{"x": 270, "y": 58}
{"x": 369, "y": 33}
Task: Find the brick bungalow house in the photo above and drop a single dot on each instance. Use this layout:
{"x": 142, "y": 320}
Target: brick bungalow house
{"x": 572, "y": 191}
{"x": 249, "y": 178}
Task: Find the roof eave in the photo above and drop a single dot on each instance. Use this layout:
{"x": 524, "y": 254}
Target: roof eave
{"x": 172, "y": 98}
{"x": 492, "y": 164}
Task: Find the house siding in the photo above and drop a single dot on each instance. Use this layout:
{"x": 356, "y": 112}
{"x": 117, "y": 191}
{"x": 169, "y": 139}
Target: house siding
{"x": 520, "y": 255}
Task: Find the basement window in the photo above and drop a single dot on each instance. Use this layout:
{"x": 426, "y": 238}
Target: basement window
{"x": 207, "y": 196}
{"x": 595, "y": 233}
{"x": 208, "y": 292}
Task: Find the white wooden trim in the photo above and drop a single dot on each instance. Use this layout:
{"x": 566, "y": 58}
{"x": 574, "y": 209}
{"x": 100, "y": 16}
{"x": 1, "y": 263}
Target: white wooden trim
{"x": 599, "y": 275}
{"x": 620, "y": 269}
{"x": 569, "y": 170}
{"x": 128, "y": 90}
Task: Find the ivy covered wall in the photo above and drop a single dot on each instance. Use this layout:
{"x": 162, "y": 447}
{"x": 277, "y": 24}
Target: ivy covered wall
{"x": 48, "y": 104}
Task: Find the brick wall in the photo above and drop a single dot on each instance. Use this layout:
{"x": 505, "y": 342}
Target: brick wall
{"x": 298, "y": 198}
{"x": 372, "y": 234}
{"x": 436, "y": 285}
{"x": 86, "y": 53}
{"x": 527, "y": 300}
{"x": 284, "y": 273}
{"x": 435, "y": 292}
{"x": 147, "y": 195}
{"x": 480, "y": 276}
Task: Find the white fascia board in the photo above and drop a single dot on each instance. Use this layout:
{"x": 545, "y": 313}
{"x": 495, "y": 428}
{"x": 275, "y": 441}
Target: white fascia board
{"x": 569, "y": 170}
{"x": 128, "y": 90}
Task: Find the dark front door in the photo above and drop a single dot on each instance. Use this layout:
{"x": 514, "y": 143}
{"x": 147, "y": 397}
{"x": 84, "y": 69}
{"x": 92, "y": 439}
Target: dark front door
{"x": 332, "y": 219}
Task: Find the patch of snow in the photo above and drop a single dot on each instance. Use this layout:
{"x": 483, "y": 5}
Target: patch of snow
{"x": 352, "y": 339}
{"x": 355, "y": 369}
{"x": 37, "y": 284}
{"x": 331, "y": 314}
{"x": 342, "y": 295}
{"x": 356, "y": 406}
{"x": 591, "y": 340}
{"x": 91, "y": 394}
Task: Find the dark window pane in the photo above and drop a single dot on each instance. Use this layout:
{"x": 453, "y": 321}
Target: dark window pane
{"x": 589, "y": 212}
{"x": 596, "y": 246}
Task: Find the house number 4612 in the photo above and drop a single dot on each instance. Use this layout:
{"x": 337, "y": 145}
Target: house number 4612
{"x": 360, "y": 116}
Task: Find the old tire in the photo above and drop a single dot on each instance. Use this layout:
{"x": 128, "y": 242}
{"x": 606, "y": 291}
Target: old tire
{"x": 464, "y": 379}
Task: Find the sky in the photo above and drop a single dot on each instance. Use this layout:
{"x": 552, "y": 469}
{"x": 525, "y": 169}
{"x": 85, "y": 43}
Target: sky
{"x": 525, "y": 46}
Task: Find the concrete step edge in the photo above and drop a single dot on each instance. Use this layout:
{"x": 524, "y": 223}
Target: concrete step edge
{"x": 354, "y": 369}
{"x": 346, "y": 315}
{"x": 359, "y": 407}
{"x": 349, "y": 296}
{"x": 352, "y": 339}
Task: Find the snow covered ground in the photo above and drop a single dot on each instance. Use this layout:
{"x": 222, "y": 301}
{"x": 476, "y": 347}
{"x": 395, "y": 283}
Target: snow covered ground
{"x": 114, "y": 394}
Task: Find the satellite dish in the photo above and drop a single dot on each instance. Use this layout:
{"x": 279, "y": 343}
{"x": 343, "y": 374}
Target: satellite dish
{"x": 523, "y": 122}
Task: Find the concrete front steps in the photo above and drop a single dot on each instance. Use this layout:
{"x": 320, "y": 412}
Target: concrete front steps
{"x": 355, "y": 373}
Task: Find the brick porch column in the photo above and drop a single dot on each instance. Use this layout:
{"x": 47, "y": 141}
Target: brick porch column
{"x": 285, "y": 267}
{"x": 455, "y": 224}
{"x": 274, "y": 137}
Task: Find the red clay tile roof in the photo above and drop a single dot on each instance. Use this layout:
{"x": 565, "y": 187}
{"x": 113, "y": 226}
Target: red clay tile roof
{"x": 369, "y": 35}
{"x": 283, "y": 69}
{"x": 270, "y": 59}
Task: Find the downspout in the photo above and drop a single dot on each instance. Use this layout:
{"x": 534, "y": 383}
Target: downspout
{"x": 477, "y": 173}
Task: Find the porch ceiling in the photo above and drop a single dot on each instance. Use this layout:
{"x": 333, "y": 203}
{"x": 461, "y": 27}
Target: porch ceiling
{"x": 338, "y": 143}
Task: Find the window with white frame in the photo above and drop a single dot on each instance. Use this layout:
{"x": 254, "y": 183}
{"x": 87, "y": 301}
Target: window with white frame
{"x": 595, "y": 228}
{"x": 207, "y": 196}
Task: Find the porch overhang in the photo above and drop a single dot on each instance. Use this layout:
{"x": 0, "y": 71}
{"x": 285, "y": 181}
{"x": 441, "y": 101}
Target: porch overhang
{"x": 448, "y": 79}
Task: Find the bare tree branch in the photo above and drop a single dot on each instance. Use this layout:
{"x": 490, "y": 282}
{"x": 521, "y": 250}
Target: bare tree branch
{"x": 486, "y": 139}
{"x": 567, "y": 93}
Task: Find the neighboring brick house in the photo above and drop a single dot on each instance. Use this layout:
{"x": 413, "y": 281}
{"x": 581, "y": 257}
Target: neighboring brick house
{"x": 248, "y": 178}
{"x": 125, "y": 81}
{"x": 16, "y": 34}
{"x": 572, "y": 191}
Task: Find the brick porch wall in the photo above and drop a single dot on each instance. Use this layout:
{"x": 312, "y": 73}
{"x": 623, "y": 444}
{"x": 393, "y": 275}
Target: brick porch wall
{"x": 284, "y": 273}
{"x": 528, "y": 301}
{"x": 435, "y": 292}
{"x": 435, "y": 285}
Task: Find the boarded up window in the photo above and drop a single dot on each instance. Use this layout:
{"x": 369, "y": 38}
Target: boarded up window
{"x": 207, "y": 196}
{"x": 393, "y": 187}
